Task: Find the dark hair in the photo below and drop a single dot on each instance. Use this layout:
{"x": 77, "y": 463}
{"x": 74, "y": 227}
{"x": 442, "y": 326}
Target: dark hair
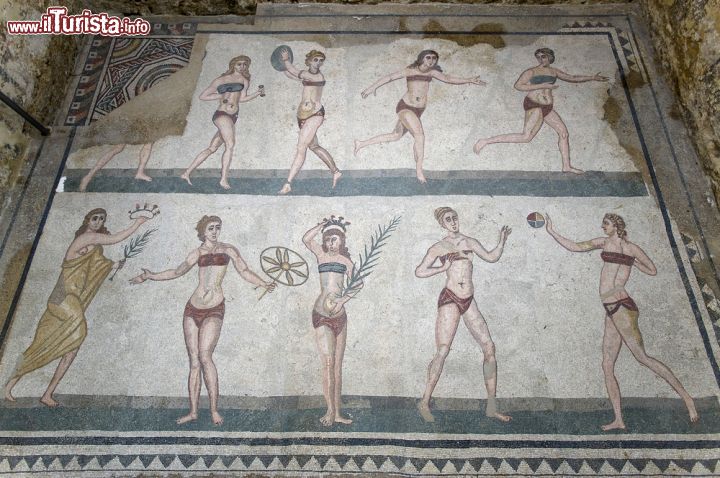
{"x": 441, "y": 211}
{"x": 420, "y": 58}
{"x": 312, "y": 54}
{"x": 336, "y": 232}
{"x": 203, "y": 223}
{"x": 619, "y": 224}
{"x": 548, "y": 52}
{"x": 86, "y": 222}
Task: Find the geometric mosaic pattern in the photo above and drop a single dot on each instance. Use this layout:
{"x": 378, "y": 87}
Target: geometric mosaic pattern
{"x": 712, "y": 304}
{"x": 89, "y": 80}
{"x": 693, "y": 249}
{"x": 137, "y": 64}
{"x": 628, "y": 56}
{"x": 325, "y": 464}
{"x": 118, "y": 69}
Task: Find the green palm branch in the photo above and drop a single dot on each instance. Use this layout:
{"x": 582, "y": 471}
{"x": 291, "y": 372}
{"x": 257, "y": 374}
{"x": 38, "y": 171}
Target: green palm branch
{"x": 368, "y": 259}
{"x": 135, "y": 246}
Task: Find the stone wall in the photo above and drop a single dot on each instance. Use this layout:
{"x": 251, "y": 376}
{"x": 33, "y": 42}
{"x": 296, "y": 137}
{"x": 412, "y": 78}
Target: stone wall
{"x": 34, "y": 72}
{"x": 687, "y": 42}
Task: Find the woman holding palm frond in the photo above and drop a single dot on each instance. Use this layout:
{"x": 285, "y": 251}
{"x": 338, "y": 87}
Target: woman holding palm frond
{"x": 63, "y": 327}
{"x": 328, "y": 316}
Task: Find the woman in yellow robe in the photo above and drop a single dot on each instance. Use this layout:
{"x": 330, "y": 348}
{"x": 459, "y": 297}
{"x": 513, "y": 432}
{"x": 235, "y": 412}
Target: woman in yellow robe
{"x": 62, "y": 327}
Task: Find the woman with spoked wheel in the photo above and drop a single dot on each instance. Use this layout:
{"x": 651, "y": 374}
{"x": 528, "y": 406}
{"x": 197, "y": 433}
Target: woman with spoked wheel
{"x": 328, "y": 316}
{"x": 204, "y": 312}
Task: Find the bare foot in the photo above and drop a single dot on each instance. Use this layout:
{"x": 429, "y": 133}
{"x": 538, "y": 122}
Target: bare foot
{"x": 420, "y": 176}
{"x": 217, "y": 419}
{"x": 340, "y": 419}
{"x": 336, "y": 177}
{"x": 424, "y": 410}
{"x": 186, "y": 177}
{"x": 614, "y": 425}
{"x": 479, "y": 146}
{"x": 328, "y": 419}
{"x": 8, "y": 390}
{"x": 500, "y": 416}
{"x": 224, "y": 183}
{"x": 142, "y": 176}
{"x": 690, "y": 404}
{"x": 48, "y": 401}
{"x": 84, "y": 182}
{"x": 357, "y": 147}
{"x": 285, "y": 189}
{"x": 190, "y": 417}
{"x": 572, "y": 170}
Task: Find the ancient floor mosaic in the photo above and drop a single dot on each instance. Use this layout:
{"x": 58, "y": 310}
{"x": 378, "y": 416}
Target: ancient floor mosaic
{"x": 348, "y": 240}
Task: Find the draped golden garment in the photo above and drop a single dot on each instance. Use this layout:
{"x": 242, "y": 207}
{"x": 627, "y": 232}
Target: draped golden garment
{"x": 62, "y": 328}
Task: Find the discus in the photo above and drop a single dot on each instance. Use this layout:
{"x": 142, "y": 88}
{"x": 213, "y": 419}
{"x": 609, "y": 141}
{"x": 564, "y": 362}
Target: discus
{"x": 275, "y": 59}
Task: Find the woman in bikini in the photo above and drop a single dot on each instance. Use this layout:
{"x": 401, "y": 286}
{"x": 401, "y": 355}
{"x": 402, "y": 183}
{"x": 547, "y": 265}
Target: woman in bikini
{"x": 310, "y": 115}
{"x": 539, "y": 82}
{"x": 621, "y": 313}
{"x": 204, "y": 312}
{"x": 411, "y": 106}
{"x": 328, "y": 316}
{"x": 230, "y": 90}
{"x": 455, "y": 253}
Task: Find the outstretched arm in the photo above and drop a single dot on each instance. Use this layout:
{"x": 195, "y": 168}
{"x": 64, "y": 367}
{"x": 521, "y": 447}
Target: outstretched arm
{"x": 571, "y": 245}
{"x": 245, "y": 272}
{"x": 383, "y": 81}
{"x": 244, "y": 98}
{"x": 290, "y": 70}
{"x": 496, "y": 253}
{"x": 454, "y": 80}
{"x": 579, "y": 78}
{"x": 169, "y": 274}
{"x": 523, "y": 83}
{"x": 643, "y": 262}
{"x": 426, "y": 269}
{"x": 108, "y": 239}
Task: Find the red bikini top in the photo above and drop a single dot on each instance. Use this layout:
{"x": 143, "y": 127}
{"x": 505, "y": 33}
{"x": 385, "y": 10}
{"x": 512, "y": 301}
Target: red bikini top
{"x": 419, "y": 78}
{"x": 617, "y": 258}
{"x": 213, "y": 259}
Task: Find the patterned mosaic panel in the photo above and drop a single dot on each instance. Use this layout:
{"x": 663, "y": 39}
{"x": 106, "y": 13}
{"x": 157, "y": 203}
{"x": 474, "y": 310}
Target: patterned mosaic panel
{"x": 119, "y": 69}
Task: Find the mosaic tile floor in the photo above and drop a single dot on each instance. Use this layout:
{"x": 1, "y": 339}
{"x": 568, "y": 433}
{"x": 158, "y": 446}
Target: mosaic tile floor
{"x": 535, "y": 342}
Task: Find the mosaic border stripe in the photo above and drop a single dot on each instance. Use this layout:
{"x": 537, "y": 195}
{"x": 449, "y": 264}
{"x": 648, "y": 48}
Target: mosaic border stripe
{"x": 340, "y": 463}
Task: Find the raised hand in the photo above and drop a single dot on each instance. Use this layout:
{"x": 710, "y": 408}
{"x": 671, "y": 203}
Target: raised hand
{"x": 284, "y": 55}
{"x": 504, "y": 233}
{"x": 548, "y": 224}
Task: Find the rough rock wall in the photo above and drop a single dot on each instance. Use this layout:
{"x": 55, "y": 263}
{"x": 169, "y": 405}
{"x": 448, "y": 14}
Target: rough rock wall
{"x": 34, "y": 72}
{"x": 686, "y": 36}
